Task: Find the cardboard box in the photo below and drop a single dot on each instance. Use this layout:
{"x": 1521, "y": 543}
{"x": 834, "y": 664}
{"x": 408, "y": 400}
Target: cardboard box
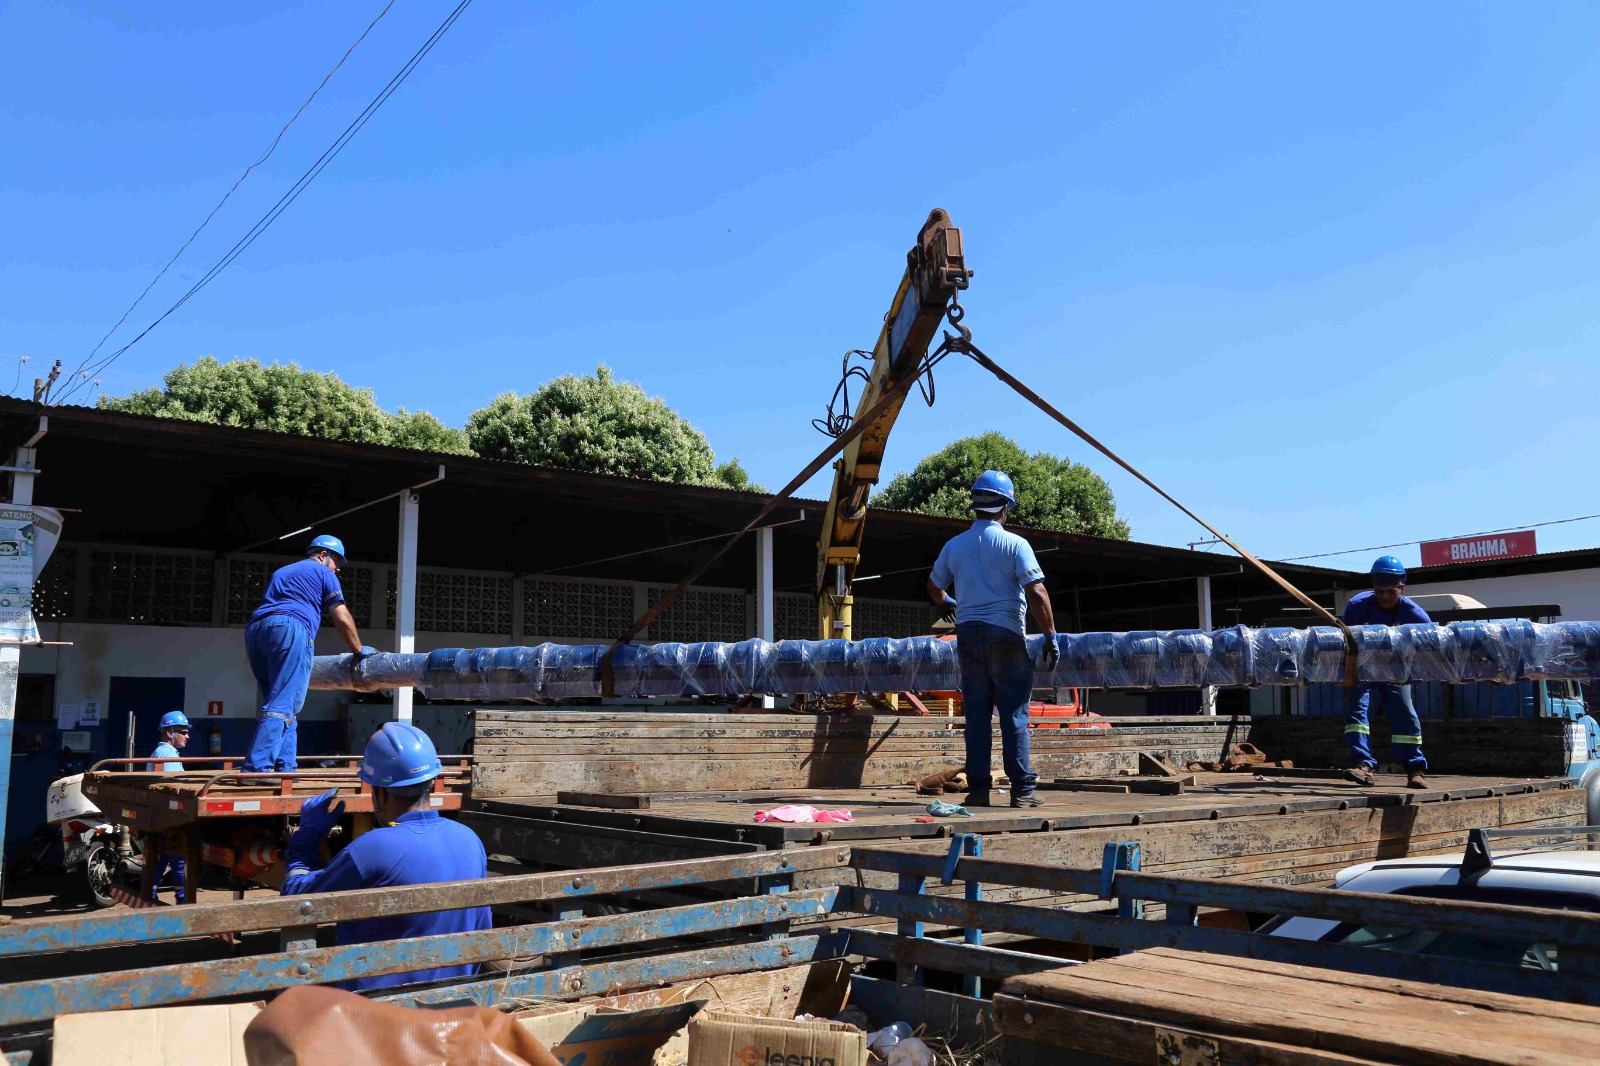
{"x": 721, "y": 1039}
{"x": 160, "y": 1036}
{"x": 604, "y": 1036}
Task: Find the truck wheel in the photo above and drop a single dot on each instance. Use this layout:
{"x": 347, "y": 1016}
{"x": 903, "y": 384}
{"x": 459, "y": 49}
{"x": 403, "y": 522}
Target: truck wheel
{"x": 100, "y": 870}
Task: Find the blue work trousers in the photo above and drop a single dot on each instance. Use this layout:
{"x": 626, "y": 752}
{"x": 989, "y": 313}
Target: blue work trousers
{"x": 280, "y": 652}
{"x": 996, "y": 675}
{"x": 1405, "y": 728}
{"x": 180, "y": 872}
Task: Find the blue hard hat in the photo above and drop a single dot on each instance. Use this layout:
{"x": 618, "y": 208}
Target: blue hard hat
{"x": 326, "y": 543}
{"x": 992, "y": 484}
{"x": 1387, "y": 572}
{"x": 398, "y": 755}
{"x": 174, "y": 718}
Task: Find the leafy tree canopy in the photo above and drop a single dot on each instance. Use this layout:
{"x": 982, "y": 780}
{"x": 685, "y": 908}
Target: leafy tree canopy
{"x": 600, "y": 425}
{"x": 285, "y": 399}
{"x": 1052, "y": 493}
{"x": 732, "y": 475}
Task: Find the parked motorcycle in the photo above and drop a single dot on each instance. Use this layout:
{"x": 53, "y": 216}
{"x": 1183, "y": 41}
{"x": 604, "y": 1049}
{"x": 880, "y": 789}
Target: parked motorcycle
{"x": 88, "y": 843}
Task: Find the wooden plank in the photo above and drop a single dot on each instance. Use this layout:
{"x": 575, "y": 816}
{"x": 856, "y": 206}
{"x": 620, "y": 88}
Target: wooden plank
{"x": 575, "y": 847}
{"x": 1036, "y": 1034}
{"x": 1295, "y": 1006}
{"x": 623, "y": 801}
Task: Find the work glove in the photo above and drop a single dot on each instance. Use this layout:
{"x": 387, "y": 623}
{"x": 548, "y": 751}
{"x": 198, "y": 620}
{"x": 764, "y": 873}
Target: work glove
{"x": 366, "y": 650}
{"x": 1049, "y": 653}
{"x": 319, "y": 814}
{"x": 947, "y": 611}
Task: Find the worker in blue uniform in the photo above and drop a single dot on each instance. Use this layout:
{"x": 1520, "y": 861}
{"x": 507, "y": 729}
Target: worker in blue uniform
{"x": 174, "y": 735}
{"x": 414, "y": 846}
{"x": 1385, "y": 605}
{"x": 279, "y": 643}
{"x": 995, "y": 578}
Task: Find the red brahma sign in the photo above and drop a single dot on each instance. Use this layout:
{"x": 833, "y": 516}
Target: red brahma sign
{"x": 1486, "y": 548}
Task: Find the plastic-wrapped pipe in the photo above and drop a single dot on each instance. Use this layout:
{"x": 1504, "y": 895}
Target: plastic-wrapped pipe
{"x": 1460, "y": 652}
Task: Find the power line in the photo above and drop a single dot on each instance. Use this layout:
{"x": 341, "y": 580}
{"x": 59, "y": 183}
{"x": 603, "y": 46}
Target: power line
{"x": 21, "y": 359}
{"x": 235, "y": 188}
{"x": 293, "y": 194}
{"x": 1458, "y": 536}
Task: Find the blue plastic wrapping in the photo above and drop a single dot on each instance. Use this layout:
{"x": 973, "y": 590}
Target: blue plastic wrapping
{"x": 1461, "y": 652}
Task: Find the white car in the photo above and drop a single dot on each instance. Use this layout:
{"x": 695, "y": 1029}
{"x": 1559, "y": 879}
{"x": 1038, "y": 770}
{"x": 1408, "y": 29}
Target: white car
{"x": 1540, "y": 876}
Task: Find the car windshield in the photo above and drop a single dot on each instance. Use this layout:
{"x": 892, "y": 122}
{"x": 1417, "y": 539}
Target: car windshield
{"x": 1503, "y": 951}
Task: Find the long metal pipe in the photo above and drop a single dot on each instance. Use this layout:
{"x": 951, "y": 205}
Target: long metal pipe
{"x": 1461, "y": 652}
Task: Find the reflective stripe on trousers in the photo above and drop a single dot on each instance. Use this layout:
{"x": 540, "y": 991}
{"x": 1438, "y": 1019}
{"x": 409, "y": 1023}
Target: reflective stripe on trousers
{"x": 1405, "y": 727}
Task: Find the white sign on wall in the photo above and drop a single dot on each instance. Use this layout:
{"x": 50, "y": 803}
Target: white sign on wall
{"x": 16, "y": 577}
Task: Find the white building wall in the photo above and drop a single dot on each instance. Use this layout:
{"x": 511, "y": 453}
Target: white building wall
{"x": 1577, "y": 591}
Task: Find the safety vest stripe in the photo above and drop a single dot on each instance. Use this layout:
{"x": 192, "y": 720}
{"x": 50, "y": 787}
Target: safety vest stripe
{"x": 1358, "y": 727}
{"x": 1398, "y": 739}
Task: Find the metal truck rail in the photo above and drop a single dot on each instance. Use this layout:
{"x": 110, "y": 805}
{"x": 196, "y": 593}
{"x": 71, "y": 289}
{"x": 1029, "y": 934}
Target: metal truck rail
{"x": 572, "y": 956}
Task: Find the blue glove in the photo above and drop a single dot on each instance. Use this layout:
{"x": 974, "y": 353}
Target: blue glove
{"x": 320, "y": 814}
{"x": 366, "y": 650}
{"x": 947, "y": 611}
{"x": 1050, "y": 653}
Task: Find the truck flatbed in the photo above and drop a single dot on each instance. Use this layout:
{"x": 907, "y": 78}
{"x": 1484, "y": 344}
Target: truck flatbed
{"x": 128, "y": 794}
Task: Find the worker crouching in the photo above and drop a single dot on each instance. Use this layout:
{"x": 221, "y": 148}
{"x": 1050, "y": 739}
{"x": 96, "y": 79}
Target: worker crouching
{"x": 413, "y": 846}
{"x": 996, "y": 578}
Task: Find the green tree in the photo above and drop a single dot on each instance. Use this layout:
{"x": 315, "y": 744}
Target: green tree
{"x": 733, "y": 475}
{"x": 283, "y": 398}
{"x": 1052, "y": 493}
{"x": 594, "y": 424}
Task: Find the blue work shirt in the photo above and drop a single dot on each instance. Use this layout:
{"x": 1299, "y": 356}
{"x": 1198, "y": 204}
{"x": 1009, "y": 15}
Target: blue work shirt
{"x": 302, "y": 591}
{"x": 1363, "y": 610}
{"x": 418, "y": 849}
{"x": 165, "y": 750}
{"x": 987, "y": 568}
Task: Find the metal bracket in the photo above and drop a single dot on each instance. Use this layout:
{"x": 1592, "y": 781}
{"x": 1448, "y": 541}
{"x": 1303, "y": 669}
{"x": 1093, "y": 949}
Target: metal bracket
{"x": 966, "y": 844}
{"x": 1186, "y": 1049}
{"x": 1120, "y": 855}
{"x": 960, "y": 844}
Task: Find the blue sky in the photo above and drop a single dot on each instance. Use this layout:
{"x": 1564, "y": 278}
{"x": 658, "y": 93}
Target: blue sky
{"x": 1327, "y": 272}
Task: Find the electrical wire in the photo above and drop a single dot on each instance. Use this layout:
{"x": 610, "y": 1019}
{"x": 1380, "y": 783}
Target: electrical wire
{"x": 1459, "y": 536}
{"x": 289, "y": 197}
{"x": 20, "y": 360}
{"x": 235, "y": 188}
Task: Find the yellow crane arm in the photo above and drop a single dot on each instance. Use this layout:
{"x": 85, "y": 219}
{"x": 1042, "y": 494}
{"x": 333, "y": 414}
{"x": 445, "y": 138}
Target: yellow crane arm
{"x": 935, "y": 272}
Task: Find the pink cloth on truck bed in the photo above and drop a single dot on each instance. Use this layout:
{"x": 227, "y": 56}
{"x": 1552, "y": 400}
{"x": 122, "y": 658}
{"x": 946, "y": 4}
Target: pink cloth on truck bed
{"x": 802, "y": 812}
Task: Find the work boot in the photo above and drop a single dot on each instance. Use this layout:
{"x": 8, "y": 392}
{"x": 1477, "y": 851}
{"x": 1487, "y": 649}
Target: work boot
{"x": 976, "y": 799}
{"x": 1029, "y": 800}
{"x": 1416, "y": 779}
{"x": 1361, "y": 775}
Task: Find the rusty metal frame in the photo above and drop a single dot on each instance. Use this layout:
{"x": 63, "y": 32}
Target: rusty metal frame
{"x": 656, "y": 953}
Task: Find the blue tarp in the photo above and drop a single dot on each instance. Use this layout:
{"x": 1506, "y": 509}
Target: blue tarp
{"x": 1460, "y": 652}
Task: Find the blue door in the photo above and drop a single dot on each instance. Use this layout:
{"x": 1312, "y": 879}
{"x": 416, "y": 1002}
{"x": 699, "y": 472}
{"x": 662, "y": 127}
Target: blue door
{"x": 147, "y": 698}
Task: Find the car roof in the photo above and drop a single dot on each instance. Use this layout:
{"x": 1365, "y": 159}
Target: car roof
{"x": 1577, "y": 871}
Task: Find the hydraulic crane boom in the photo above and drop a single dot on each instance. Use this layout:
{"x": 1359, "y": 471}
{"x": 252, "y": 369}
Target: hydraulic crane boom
{"x": 935, "y": 272}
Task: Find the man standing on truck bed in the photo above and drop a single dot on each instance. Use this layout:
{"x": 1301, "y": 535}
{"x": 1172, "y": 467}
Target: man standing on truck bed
{"x": 412, "y": 846}
{"x": 279, "y": 642}
{"x": 1384, "y": 606}
{"x": 996, "y": 578}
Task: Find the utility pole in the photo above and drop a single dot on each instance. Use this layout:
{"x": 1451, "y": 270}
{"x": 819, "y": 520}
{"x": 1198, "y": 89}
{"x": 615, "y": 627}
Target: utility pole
{"x": 42, "y": 386}
{"x": 23, "y": 470}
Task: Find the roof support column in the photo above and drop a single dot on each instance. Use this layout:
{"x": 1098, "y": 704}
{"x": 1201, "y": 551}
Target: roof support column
{"x": 1208, "y": 693}
{"x": 765, "y": 628}
{"x": 405, "y": 595}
